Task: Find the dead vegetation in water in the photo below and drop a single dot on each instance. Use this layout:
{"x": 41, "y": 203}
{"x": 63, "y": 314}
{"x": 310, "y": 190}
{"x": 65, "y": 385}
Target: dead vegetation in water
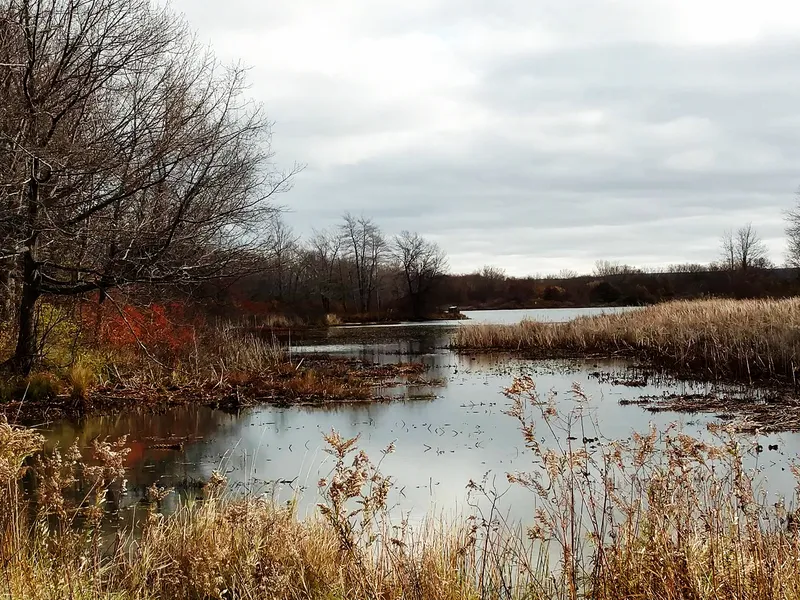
{"x": 747, "y": 341}
{"x": 310, "y": 381}
{"x": 770, "y": 413}
{"x": 661, "y": 515}
{"x": 741, "y": 340}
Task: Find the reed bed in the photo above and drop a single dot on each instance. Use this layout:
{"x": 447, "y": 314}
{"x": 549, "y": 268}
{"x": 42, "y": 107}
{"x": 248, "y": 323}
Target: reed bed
{"x": 662, "y": 515}
{"x": 745, "y": 340}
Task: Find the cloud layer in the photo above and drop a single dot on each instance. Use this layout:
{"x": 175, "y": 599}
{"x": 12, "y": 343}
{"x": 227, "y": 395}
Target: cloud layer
{"x": 529, "y": 134}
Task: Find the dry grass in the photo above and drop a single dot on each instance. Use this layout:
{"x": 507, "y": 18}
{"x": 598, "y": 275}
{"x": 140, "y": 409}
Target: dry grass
{"x": 332, "y": 320}
{"x": 231, "y": 350}
{"x": 224, "y": 546}
{"x": 737, "y": 339}
{"x": 80, "y": 378}
{"x": 663, "y": 515}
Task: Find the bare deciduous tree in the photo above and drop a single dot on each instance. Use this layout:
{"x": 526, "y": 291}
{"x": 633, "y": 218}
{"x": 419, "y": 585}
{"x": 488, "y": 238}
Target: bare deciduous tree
{"x": 282, "y": 248}
{"x": 364, "y": 244}
{"x": 743, "y": 249}
{"x": 603, "y": 268}
{"x": 567, "y": 274}
{"x": 423, "y": 263}
{"x": 326, "y": 249}
{"x": 793, "y": 236}
{"x": 129, "y": 154}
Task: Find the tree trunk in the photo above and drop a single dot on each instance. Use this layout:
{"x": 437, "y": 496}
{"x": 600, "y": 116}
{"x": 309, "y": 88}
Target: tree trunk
{"x": 25, "y": 354}
{"x": 26, "y": 351}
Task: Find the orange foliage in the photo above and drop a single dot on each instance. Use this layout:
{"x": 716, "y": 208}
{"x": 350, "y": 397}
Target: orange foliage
{"x": 168, "y": 326}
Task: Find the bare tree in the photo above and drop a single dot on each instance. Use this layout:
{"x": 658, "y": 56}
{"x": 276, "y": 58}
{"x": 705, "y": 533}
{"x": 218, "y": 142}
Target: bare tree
{"x": 743, "y": 250}
{"x": 604, "y": 268}
{"x": 567, "y": 274}
{"x": 364, "y": 244}
{"x": 423, "y": 263}
{"x": 129, "y": 154}
{"x": 282, "y": 250}
{"x": 687, "y": 268}
{"x": 728, "y": 250}
{"x": 793, "y": 236}
{"x": 326, "y": 250}
{"x": 493, "y": 273}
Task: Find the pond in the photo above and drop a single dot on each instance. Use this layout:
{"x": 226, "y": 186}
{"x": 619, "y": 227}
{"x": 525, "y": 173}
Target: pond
{"x": 445, "y": 435}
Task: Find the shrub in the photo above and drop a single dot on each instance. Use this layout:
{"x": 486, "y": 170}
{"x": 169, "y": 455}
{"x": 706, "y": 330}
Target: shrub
{"x": 554, "y": 293}
{"x": 40, "y": 386}
{"x": 603, "y": 292}
{"x": 331, "y": 320}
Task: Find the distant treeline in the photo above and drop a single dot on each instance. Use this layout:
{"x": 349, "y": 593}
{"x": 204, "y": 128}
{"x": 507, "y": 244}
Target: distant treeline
{"x": 491, "y": 289}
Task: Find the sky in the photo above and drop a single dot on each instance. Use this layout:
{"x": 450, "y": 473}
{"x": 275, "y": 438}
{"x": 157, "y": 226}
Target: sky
{"x": 530, "y": 135}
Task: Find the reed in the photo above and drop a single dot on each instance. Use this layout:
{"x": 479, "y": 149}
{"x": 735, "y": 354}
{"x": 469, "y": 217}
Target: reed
{"x": 662, "y": 515}
{"x": 744, "y": 340}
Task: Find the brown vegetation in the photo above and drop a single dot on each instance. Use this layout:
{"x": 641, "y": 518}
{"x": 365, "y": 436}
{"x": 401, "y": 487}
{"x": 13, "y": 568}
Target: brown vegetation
{"x": 153, "y": 365}
{"x": 663, "y": 515}
{"x": 745, "y": 340}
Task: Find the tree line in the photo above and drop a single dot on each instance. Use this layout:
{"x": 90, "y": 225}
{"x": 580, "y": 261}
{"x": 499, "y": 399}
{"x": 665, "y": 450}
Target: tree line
{"x": 131, "y": 158}
{"x": 352, "y": 269}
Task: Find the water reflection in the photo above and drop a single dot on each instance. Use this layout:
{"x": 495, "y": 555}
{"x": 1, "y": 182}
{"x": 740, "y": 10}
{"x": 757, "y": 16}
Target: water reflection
{"x": 461, "y": 434}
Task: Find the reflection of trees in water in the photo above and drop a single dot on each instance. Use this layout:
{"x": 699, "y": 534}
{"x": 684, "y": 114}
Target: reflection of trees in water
{"x": 392, "y": 341}
{"x": 186, "y": 429}
{"x": 206, "y": 439}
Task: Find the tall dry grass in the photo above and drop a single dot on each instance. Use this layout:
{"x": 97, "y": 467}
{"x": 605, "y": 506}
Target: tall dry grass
{"x": 662, "y": 515}
{"x": 740, "y": 339}
{"x": 221, "y": 547}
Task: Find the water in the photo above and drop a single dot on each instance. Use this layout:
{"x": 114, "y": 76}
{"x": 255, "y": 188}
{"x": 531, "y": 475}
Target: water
{"x": 444, "y": 436}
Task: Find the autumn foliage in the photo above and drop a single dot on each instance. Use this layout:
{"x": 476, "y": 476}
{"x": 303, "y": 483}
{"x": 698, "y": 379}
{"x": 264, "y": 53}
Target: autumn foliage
{"x": 169, "y": 327}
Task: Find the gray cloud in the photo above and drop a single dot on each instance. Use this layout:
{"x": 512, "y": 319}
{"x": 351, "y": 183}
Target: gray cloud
{"x": 530, "y": 135}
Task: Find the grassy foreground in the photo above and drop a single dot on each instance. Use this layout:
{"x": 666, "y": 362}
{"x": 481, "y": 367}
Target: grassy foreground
{"x": 744, "y": 340}
{"x": 659, "y": 516}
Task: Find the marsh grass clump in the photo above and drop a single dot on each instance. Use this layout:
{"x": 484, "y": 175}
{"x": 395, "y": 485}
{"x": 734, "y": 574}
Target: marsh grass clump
{"x": 333, "y": 320}
{"x": 745, "y": 340}
{"x": 38, "y": 387}
{"x": 80, "y": 378}
{"x": 237, "y": 351}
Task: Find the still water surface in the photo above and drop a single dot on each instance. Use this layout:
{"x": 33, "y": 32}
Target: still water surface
{"x": 445, "y": 436}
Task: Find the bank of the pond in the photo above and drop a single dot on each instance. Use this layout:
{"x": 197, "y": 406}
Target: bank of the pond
{"x": 751, "y": 342}
{"x": 44, "y": 397}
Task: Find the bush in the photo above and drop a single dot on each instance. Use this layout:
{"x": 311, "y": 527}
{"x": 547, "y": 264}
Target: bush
{"x": 603, "y": 292}
{"x": 554, "y": 293}
{"x": 38, "y": 387}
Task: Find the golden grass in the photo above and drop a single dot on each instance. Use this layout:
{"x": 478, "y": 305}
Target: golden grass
{"x": 80, "y": 378}
{"x": 332, "y": 320}
{"x": 663, "y": 515}
{"x": 740, "y": 339}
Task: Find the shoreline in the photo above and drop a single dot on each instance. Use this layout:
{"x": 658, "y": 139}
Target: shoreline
{"x": 312, "y": 381}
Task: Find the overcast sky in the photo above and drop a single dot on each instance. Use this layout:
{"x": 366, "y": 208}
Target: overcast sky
{"x": 533, "y": 135}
